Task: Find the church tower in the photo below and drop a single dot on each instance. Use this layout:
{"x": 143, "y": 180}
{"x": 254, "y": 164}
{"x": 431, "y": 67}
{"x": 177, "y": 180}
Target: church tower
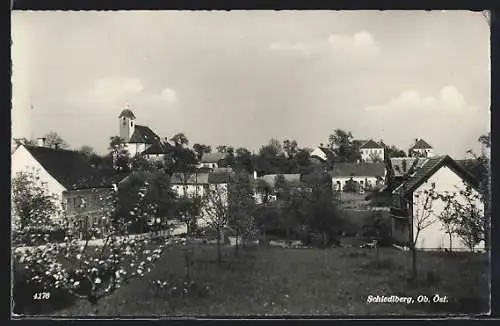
{"x": 126, "y": 124}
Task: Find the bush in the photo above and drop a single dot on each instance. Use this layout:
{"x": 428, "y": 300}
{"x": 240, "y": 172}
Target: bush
{"x": 38, "y": 236}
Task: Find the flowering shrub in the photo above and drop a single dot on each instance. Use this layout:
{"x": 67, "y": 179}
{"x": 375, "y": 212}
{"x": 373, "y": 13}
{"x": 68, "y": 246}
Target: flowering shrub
{"x": 82, "y": 268}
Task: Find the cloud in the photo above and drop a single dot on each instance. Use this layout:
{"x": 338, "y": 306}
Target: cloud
{"x": 449, "y": 99}
{"x": 361, "y": 44}
{"x": 166, "y": 95}
{"x": 358, "y": 45}
{"x": 113, "y": 88}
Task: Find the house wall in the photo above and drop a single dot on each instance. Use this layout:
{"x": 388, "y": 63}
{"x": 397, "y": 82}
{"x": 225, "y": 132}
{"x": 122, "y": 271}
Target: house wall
{"x": 366, "y": 154}
{"x": 202, "y": 190}
{"x": 155, "y": 157}
{"x": 434, "y": 237}
{"x": 427, "y": 152}
{"x": 88, "y": 207}
{"x": 135, "y": 148}
{"x": 209, "y": 165}
{"x": 23, "y": 161}
{"x": 342, "y": 180}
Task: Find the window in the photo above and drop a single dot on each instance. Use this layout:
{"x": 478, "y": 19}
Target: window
{"x": 131, "y": 124}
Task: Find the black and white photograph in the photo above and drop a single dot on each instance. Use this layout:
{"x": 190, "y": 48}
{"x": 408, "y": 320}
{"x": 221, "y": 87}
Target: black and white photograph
{"x": 259, "y": 163}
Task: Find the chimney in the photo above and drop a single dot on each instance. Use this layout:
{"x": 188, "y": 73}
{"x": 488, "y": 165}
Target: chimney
{"x": 41, "y": 142}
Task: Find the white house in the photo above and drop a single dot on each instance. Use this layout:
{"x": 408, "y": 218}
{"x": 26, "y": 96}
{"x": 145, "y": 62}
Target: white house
{"x": 77, "y": 186}
{"x": 322, "y": 153}
{"x": 372, "y": 151}
{"x": 212, "y": 160}
{"x": 366, "y": 175}
{"x": 446, "y": 176}
{"x": 421, "y": 149}
{"x": 201, "y": 185}
{"x": 139, "y": 139}
{"x": 292, "y": 181}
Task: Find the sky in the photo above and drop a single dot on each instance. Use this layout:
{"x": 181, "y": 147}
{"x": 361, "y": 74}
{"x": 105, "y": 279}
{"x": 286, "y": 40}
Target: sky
{"x": 243, "y": 77}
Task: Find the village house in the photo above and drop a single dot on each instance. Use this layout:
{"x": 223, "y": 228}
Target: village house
{"x": 199, "y": 185}
{"x": 265, "y": 188}
{"x": 322, "y": 154}
{"x": 212, "y": 160}
{"x": 81, "y": 193}
{"x": 139, "y": 139}
{"x": 447, "y": 177}
{"x": 421, "y": 149}
{"x": 366, "y": 175}
{"x": 372, "y": 151}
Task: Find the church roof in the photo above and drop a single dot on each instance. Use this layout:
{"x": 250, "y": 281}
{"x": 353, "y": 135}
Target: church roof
{"x": 70, "y": 168}
{"x": 156, "y": 148}
{"x": 144, "y": 135}
{"x": 127, "y": 114}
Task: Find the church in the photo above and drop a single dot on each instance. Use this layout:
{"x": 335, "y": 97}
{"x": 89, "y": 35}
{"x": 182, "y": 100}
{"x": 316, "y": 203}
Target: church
{"x": 139, "y": 139}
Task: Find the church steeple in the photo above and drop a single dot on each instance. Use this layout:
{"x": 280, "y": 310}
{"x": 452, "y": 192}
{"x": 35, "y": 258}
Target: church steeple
{"x": 126, "y": 123}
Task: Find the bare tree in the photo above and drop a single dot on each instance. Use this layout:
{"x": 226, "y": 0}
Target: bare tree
{"x": 422, "y": 218}
{"x": 216, "y": 211}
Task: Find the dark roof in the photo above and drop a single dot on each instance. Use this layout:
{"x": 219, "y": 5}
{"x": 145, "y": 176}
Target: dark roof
{"x": 127, "y": 114}
{"x": 213, "y": 157}
{"x": 397, "y": 164}
{"x": 70, "y": 168}
{"x": 200, "y": 178}
{"x": 431, "y": 166}
{"x": 371, "y": 144}
{"x": 156, "y": 148}
{"x": 421, "y": 144}
{"x": 144, "y": 135}
{"x": 358, "y": 142}
{"x": 358, "y": 170}
{"x": 292, "y": 180}
{"x": 328, "y": 152}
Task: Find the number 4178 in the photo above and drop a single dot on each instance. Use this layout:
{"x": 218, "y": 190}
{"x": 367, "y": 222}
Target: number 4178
{"x": 41, "y": 296}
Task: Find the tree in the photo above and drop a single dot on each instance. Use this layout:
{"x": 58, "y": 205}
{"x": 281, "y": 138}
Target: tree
{"x": 284, "y": 193}
{"x": 222, "y": 148}
{"x": 343, "y": 145}
{"x": 374, "y": 158}
{"x": 243, "y": 160}
{"x": 119, "y": 153}
{"x": 92, "y": 272}
{"x": 53, "y": 140}
{"x": 140, "y": 163}
{"x": 180, "y": 140}
{"x": 87, "y": 151}
{"x": 229, "y": 159}
{"x": 216, "y": 209}
{"x": 324, "y": 216}
{"x": 351, "y": 186}
{"x": 201, "y": 149}
{"x": 179, "y": 158}
{"x": 422, "y": 218}
{"x": 290, "y": 148}
{"x": 241, "y": 206}
{"x": 32, "y": 203}
{"x": 464, "y": 218}
{"x": 448, "y": 217}
{"x": 393, "y": 151}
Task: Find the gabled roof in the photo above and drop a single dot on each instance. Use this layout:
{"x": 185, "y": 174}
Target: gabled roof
{"x": 200, "y": 178}
{"x": 127, "y": 114}
{"x": 213, "y": 157}
{"x": 189, "y": 178}
{"x": 397, "y": 164}
{"x": 292, "y": 180}
{"x": 328, "y": 152}
{"x": 371, "y": 144}
{"x": 421, "y": 144}
{"x": 70, "y": 168}
{"x": 358, "y": 170}
{"x": 144, "y": 135}
{"x": 431, "y": 166}
{"x": 156, "y": 148}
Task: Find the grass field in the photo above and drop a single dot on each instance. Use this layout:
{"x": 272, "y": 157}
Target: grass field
{"x": 277, "y": 281}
